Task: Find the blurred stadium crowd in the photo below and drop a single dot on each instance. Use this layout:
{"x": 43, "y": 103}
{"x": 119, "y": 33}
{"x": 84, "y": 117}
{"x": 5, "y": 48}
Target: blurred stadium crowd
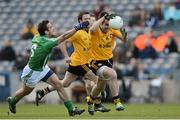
{"x": 152, "y": 52}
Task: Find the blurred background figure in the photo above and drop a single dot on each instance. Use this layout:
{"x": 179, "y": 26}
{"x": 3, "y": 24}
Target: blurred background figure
{"x": 7, "y": 53}
{"x": 29, "y": 30}
{"x": 21, "y": 60}
{"x": 142, "y": 73}
{"x": 171, "y": 13}
{"x": 157, "y": 11}
{"x": 143, "y": 48}
{"x": 98, "y": 8}
{"x": 171, "y": 46}
{"x": 137, "y": 17}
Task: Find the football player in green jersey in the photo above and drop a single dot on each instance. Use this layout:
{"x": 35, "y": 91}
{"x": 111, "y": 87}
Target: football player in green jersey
{"x": 37, "y": 69}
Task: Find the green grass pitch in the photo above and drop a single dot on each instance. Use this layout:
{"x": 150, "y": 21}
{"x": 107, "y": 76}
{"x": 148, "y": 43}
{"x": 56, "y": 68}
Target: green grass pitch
{"x": 132, "y": 111}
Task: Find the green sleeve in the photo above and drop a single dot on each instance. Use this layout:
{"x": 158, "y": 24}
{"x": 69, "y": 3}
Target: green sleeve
{"x": 52, "y": 42}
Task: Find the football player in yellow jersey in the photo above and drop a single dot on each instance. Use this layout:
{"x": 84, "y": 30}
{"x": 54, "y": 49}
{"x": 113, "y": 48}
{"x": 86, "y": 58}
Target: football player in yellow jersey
{"x": 102, "y": 37}
{"x": 78, "y": 62}
{"x": 89, "y": 83}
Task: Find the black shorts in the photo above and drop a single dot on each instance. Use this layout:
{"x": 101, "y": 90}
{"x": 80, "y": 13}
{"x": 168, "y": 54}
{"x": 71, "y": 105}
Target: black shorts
{"x": 96, "y": 64}
{"x": 80, "y": 70}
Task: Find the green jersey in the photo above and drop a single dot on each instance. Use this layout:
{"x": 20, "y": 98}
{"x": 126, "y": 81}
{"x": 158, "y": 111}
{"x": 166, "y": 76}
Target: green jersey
{"x": 41, "y": 51}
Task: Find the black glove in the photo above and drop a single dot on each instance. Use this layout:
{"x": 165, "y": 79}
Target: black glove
{"x": 106, "y": 16}
{"x": 82, "y": 25}
{"x": 124, "y": 34}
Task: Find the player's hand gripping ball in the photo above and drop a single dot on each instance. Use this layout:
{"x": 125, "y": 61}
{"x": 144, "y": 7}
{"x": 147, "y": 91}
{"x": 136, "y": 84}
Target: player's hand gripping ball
{"x": 116, "y": 22}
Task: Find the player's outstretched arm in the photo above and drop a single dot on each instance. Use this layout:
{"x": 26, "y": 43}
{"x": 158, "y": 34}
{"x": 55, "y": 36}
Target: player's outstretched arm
{"x": 106, "y": 16}
{"x": 96, "y": 24}
{"x": 71, "y": 32}
{"x": 63, "y": 48}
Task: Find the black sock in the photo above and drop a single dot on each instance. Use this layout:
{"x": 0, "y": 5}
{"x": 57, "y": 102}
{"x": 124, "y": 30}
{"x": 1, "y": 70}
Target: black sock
{"x": 116, "y": 99}
{"x": 45, "y": 91}
{"x": 48, "y": 90}
{"x": 92, "y": 98}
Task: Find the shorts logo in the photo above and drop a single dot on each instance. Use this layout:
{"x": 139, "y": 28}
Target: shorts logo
{"x": 99, "y": 64}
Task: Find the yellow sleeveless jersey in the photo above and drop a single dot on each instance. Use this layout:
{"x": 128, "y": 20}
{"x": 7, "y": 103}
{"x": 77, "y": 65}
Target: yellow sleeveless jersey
{"x": 103, "y": 43}
{"x": 82, "y": 44}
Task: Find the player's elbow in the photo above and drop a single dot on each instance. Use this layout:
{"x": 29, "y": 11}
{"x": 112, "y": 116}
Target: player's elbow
{"x": 92, "y": 29}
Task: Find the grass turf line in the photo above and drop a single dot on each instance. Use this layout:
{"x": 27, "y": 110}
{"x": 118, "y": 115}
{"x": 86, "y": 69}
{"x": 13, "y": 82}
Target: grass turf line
{"x": 132, "y": 111}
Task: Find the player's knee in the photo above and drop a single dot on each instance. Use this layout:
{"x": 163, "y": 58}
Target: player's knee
{"x": 112, "y": 74}
{"x": 104, "y": 73}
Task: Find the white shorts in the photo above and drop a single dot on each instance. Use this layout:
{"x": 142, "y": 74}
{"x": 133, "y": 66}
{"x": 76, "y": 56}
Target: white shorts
{"x": 30, "y": 77}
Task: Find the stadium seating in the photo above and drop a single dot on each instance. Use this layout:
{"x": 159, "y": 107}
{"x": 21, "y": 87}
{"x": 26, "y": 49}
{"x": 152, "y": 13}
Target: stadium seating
{"x": 15, "y": 13}
{"x": 161, "y": 66}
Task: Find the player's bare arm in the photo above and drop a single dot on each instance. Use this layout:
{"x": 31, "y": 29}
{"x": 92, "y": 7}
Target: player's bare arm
{"x": 106, "y": 16}
{"x": 63, "y": 49}
{"x": 71, "y": 32}
{"x": 94, "y": 27}
{"x": 66, "y": 35}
